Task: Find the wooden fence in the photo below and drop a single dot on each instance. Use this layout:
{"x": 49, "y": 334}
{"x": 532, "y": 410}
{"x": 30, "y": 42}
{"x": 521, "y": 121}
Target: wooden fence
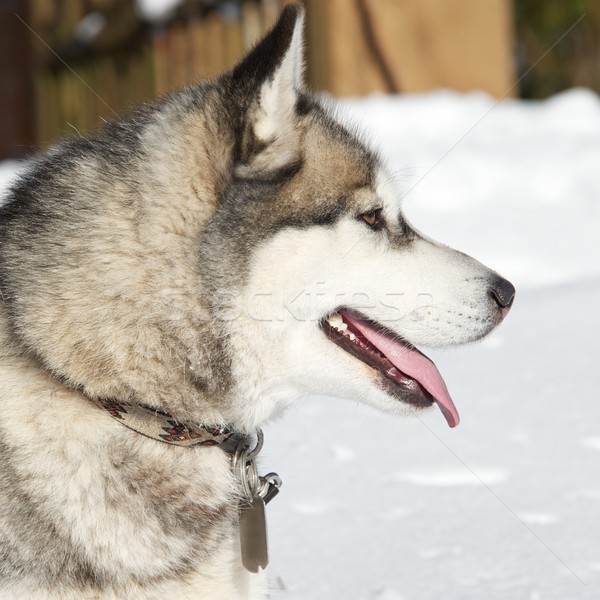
{"x": 361, "y": 46}
{"x": 82, "y": 76}
{"x": 91, "y": 59}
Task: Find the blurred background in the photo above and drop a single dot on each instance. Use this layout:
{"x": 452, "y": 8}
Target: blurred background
{"x": 505, "y": 507}
{"x": 375, "y": 508}
{"x": 67, "y": 64}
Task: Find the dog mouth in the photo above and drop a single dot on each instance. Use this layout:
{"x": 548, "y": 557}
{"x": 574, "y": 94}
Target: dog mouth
{"x": 405, "y": 372}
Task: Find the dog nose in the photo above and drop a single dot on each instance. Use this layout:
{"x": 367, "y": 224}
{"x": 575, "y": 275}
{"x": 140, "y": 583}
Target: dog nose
{"x": 503, "y": 292}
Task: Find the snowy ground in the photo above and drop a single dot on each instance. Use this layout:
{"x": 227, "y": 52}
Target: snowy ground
{"x": 506, "y": 506}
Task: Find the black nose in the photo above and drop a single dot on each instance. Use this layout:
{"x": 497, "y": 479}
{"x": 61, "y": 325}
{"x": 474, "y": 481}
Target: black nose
{"x": 503, "y": 292}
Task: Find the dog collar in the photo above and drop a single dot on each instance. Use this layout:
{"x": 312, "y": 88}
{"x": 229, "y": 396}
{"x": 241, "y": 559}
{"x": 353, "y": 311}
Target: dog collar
{"x": 256, "y": 490}
{"x": 163, "y": 427}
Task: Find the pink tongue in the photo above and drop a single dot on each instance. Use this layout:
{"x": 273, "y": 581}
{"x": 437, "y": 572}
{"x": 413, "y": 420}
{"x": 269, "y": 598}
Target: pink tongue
{"x": 411, "y": 363}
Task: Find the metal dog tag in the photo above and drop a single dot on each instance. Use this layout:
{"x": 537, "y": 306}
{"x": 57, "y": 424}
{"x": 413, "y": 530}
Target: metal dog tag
{"x": 253, "y": 535}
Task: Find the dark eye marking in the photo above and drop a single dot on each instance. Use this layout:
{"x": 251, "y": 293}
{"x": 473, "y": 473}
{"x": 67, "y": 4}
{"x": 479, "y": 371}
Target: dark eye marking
{"x": 374, "y": 218}
{"x": 328, "y": 218}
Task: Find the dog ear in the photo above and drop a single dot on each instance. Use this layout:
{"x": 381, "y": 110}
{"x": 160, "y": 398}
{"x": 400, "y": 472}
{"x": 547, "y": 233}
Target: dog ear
{"x": 270, "y": 79}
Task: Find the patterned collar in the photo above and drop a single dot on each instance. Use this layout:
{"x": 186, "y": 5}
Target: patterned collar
{"x": 256, "y": 490}
{"x": 163, "y": 427}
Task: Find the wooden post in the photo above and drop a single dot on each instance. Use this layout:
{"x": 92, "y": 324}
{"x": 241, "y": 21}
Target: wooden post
{"x": 270, "y": 10}
{"x": 17, "y": 122}
{"x": 362, "y": 46}
{"x": 252, "y": 26}
{"x": 177, "y": 58}
{"x": 214, "y": 45}
{"x": 233, "y": 37}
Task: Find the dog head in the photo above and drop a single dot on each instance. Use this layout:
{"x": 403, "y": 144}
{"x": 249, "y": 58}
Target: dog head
{"x": 230, "y": 249}
{"x": 324, "y": 286}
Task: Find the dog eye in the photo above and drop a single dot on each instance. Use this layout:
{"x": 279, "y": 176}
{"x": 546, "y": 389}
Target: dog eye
{"x": 373, "y": 218}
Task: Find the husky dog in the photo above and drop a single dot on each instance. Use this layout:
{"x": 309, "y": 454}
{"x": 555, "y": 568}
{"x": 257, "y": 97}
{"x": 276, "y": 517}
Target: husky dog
{"x": 214, "y": 256}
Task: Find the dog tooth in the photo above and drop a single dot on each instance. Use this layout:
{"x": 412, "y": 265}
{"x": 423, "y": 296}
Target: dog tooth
{"x": 342, "y": 327}
{"x": 335, "y": 320}
{"x": 352, "y": 337}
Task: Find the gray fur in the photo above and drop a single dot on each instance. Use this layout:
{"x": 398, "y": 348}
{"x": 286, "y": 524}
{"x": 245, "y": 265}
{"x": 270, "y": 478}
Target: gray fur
{"x": 120, "y": 256}
{"x": 103, "y": 295}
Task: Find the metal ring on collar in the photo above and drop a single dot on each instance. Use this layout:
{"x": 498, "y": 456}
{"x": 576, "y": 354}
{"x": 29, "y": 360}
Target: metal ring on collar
{"x": 260, "y": 439}
{"x": 246, "y": 472}
{"x": 244, "y": 467}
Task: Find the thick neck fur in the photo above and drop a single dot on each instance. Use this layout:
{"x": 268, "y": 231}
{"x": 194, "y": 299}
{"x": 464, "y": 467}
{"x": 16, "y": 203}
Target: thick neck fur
{"x": 116, "y": 308}
{"x": 90, "y": 509}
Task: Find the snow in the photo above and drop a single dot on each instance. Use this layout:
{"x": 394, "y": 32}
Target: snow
{"x": 157, "y": 11}
{"x": 90, "y": 27}
{"x": 506, "y": 506}
{"x": 592, "y": 443}
{"x": 452, "y": 477}
{"x": 9, "y": 170}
